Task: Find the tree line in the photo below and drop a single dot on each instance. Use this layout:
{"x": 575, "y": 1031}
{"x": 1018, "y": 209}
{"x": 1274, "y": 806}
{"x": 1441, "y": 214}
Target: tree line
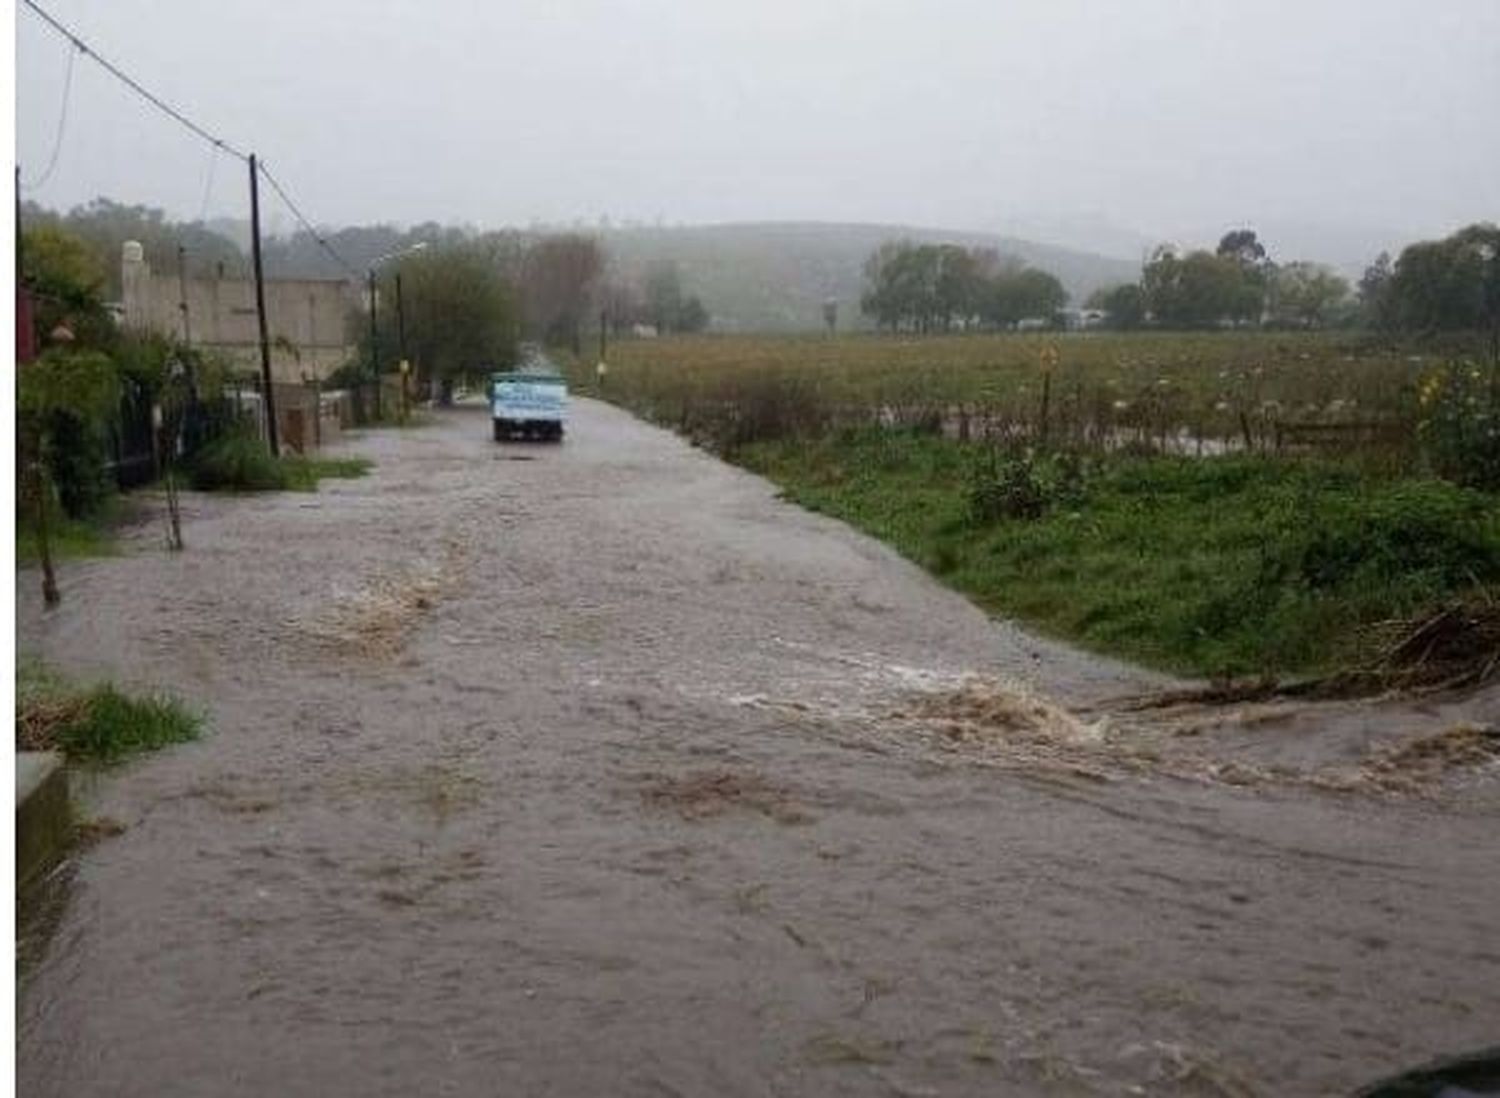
{"x": 935, "y": 287}
{"x": 468, "y": 297}
{"x": 1448, "y": 285}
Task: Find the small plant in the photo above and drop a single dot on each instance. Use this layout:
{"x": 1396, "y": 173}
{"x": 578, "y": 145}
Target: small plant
{"x": 1010, "y": 489}
{"x": 101, "y": 724}
{"x": 1460, "y": 423}
{"x": 239, "y": 461}
{"x": 1025, "y": 487}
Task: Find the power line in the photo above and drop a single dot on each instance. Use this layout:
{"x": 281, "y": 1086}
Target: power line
{"x": 208, "y": 183}
{"x": 129, "y": 82}
{"x": 305, "y": 223}
{"x": 217, "y": 142}
{"x": 62, "y": 125}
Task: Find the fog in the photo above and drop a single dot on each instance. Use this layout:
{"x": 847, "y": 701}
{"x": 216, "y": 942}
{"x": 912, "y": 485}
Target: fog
{"x": 1330, "y": 125}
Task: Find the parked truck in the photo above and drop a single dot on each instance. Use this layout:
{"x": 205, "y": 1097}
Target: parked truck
{"x": 528, "y": 403}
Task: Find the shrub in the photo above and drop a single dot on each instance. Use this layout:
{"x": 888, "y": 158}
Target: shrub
{"x": 238, "y": 462}
{"x": 1460, "y": 423}
{"x": 78, "y": 461}
{"x": 1024, "y": 487}
{"x": 1412, "y": 533}
{"x": 101, "y": 724}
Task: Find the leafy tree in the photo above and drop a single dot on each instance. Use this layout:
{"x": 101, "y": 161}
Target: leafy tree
{"x": 1125, "y": 305}
{"x": 559, "y": 277}
{"x": 60, "y": 388}
{"x": 104, "y": 226}
{"x": 692, "y": 316}
{"x": 1242, "y": 246}
{"x": 1449, "y": 285}
{"x": 1020, "y": 294}
{"x": 1374, "y": 293}
{"x": 663, "y": 294}
{"x": 1198, "y": 290}
{"x": 1304, "y": 294}
{"x": 929, "y": 287}
{"x": 67, "y": 280}
{"x": 461, "y": 314}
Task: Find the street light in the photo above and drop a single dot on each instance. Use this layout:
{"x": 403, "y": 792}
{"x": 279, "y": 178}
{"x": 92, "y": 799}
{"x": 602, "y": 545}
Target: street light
{"x": 374, "y": 334}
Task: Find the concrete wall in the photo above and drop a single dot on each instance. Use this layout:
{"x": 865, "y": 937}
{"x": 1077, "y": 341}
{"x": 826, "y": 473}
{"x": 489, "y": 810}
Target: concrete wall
{"x": 305, "y": 317}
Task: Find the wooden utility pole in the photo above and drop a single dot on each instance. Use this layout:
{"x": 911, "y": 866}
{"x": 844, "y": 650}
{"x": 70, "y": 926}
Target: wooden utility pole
{"x": 182, "y": 302}
{"x": 268, "y": 395}
{"x": 401, "y": 349}
{"x": 374, "y": 344}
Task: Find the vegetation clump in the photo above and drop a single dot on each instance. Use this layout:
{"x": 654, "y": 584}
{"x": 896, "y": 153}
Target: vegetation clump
{"x": 98, "y": 724}
{"x": 241, "y": 462}
{"x": 1223, "y": 566}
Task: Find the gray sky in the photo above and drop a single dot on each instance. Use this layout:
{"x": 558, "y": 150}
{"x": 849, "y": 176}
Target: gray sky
{"x": 1314, "y": 120}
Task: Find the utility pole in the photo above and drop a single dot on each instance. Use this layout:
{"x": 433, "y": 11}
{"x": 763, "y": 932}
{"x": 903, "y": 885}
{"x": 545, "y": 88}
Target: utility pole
{"x": 268, "y": 396}
{"x": 603, "y": 332}
{"x": 400, "y": 318}
{"x": 401, "y": 349}
{"x": 182, "y": 303}
{"x": 374, "y": 344}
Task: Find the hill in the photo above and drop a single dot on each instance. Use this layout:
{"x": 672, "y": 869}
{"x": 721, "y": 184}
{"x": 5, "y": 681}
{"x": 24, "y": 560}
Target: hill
{"x": 775, "y": 276}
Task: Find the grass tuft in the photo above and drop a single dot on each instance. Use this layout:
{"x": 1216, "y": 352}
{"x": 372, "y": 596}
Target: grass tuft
{"x": 303, "y": 473}
{"x": 98, "y": 724}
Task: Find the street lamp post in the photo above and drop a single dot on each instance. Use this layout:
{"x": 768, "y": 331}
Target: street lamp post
{"x": 374, "y": 332}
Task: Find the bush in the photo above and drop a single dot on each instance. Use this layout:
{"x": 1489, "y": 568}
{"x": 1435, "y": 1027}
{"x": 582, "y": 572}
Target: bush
{"x": 78, "y": 462}
{"x": 101, "y": 724}
{"x": 238, "y": 462}
{"x": 1460, "y": 423}
{"x": 1415, "y": 534}
{"x": 1024, "y": 487}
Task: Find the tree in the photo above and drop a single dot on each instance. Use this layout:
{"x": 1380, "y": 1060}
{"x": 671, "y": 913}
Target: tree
{"x": 1303, "y": 294}
{"x": 62, "y": 384}
{"x": 1449, "y": 285}
{"x": 1200, "y": 289}
{"x": 929, "y": 287}
{"x": 67, "y": 280}
{"x": 104, "y": 226}
{"x": 1374, "y": 293}
{"x": 461, "y": 314}
{"x": 1242, "y": 246}
{"x": 663, "y": 294}
{"x": 692, "y": 316}
{"x": 1124, "y": 305}
{"x": 559, "y": 276}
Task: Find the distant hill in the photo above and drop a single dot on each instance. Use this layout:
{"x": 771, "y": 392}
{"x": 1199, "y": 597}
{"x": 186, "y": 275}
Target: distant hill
{"x": 775, "y": 276}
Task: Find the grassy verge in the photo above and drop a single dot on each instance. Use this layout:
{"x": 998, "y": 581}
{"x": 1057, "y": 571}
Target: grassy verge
{"x": 303, "y": 473}
{"x": 1212, "y": 567}
{"x": 95, "y": 724}
{"x": 73, "y": 539}
{"x": 241, "y": 462}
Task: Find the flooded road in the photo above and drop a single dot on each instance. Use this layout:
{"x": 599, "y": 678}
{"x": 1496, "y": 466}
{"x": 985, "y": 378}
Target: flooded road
{"x": 593, "y": 770}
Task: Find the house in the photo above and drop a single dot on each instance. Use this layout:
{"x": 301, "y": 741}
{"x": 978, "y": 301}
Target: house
{"x": 306, "y": 318}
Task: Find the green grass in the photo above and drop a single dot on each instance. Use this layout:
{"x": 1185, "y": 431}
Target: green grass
{"x": 241, "y": 462}
{"x": 303, "y": 473}
{"x": 99, "y": 723}
{"x": 71, "y": 539}
{"x": 1219, "y": 566}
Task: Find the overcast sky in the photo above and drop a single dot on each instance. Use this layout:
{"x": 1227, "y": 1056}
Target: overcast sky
{"x": 1117, "y": 121}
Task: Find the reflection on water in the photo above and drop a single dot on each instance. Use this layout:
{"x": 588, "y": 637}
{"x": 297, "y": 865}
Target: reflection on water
{"x": 39, "y": 912}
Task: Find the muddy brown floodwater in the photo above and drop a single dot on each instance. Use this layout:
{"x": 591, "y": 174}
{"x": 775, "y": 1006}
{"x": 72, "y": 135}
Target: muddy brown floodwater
{"x": 596, "y": 769}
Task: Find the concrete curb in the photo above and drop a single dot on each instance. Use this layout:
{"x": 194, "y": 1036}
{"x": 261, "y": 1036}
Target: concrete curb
{"x": 44, "y": 819}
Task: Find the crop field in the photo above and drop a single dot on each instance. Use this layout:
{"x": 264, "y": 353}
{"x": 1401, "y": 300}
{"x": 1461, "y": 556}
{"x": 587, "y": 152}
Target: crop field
{"x": 1179, "y": 392}
{"x": 1218, "y": 504}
